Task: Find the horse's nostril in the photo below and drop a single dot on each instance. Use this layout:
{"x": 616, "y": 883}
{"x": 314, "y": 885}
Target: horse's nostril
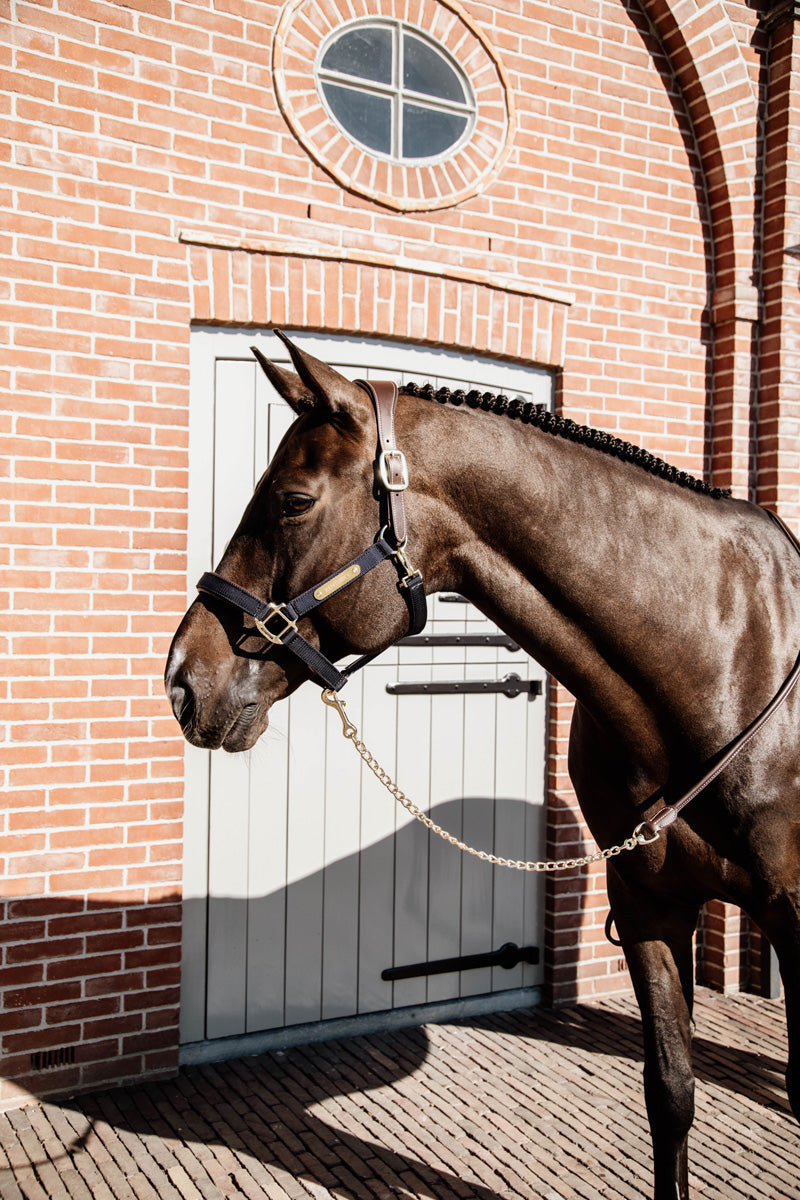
{"x": 181, "y": 698}
{"x": 186, "y": 711}
{"x": 177, "y": 698}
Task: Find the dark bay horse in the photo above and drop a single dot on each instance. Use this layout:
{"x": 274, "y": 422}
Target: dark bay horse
{"x": 672, "y": 613}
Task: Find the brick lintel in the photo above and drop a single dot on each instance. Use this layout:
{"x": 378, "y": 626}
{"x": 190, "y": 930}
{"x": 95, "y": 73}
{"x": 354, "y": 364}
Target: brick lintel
{"x": 256, "y": 245}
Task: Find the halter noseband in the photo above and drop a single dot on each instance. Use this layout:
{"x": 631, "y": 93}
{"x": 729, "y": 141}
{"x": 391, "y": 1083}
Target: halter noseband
{"x": 277, "y": 623}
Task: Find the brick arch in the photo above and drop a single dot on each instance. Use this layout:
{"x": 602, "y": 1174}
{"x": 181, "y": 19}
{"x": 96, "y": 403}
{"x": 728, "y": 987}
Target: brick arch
{"x": 252, "y": 281}
{"x": 704, "y": 53}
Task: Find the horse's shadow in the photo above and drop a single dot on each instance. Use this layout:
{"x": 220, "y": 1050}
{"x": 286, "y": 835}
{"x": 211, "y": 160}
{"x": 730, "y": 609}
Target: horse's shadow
{"x": 751, "y": 1074}
{"x": 267, "y": 1116}
{"x": 297, "y": 1113}
{"x": 258, "y": 1109}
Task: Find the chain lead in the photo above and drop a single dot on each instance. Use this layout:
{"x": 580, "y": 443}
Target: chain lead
{"x": 350, "y": 732}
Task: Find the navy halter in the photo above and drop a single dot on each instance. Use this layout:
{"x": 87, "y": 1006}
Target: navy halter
{"x": 277, "y": 623}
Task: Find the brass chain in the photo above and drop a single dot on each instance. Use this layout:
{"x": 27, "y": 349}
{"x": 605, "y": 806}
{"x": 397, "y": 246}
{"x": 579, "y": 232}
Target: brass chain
{"x": 350, "y": 732}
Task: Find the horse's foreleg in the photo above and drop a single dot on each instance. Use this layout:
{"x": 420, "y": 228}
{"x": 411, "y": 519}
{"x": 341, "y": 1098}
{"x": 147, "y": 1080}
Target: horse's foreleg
{"x": 658, "y": 949}
{"x": 791, "y": 977}
{"x": 781, "y": 923}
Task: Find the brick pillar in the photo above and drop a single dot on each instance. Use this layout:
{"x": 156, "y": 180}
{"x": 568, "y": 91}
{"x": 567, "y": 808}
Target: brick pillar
{"x": 725, "y": 944}
{"x": 722, "y": 947}
{"x": 734, "y": 315}
{"x": 772, "y": 476}
{"x": 777, "y": 467}
{"x": 778, "y": 452}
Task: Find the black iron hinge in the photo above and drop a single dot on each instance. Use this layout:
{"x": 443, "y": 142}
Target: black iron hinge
{"x": 509, "y": 955}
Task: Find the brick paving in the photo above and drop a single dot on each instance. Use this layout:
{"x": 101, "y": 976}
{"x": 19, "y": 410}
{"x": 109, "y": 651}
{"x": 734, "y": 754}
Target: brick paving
{"x": 523, "y": 1104}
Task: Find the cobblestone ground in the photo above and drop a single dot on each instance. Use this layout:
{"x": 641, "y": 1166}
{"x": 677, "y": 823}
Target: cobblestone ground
{"x": 523, "y": 1104}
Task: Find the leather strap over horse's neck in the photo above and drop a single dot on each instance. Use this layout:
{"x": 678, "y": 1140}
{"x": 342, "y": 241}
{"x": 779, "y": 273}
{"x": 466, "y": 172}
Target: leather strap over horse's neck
{"x": 390, "y": 463}
{"x": 670, "y": 812}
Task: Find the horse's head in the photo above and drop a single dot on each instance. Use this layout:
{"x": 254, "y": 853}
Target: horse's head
{"x": 313, "y": 510}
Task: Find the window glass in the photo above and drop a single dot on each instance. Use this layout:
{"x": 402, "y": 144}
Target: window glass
{"x": 407, "y": 105}
{"x": 365, "y": 53}
{"x": 394, "y": 91}
{"x": 426, "y": 70}
{"x": 368, "y": 119}
{"x": 427, "y": 132}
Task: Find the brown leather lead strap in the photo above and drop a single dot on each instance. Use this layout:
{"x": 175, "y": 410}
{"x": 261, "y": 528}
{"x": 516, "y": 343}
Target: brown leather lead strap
{"x": 669, "y": 813}
{"x": 665, "y": 816}
{"x": 391, "y": 463}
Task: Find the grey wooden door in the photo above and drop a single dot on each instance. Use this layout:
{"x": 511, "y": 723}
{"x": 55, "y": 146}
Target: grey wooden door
{"x": 304, "y": 881}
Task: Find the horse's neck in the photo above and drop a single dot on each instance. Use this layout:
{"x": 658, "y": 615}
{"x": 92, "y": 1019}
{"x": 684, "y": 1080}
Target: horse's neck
{"x": 549, "y": 532}
{"x": 590, "y": 563}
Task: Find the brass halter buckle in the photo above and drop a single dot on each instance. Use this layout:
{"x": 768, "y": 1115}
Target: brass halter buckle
{"x": 289, "y": 626}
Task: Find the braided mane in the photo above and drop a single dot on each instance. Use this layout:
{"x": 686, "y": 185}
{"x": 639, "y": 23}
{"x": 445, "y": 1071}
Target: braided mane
{"x": 539, "y": 415}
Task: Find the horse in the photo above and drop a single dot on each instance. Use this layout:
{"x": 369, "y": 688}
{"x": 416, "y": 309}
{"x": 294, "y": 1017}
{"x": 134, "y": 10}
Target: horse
{"x": 669, "y": 609}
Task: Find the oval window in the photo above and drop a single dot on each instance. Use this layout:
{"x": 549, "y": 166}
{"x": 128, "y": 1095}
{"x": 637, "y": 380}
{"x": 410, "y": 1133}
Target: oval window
{"x": 415, "y": 115}
{"x": 395, "y": 92}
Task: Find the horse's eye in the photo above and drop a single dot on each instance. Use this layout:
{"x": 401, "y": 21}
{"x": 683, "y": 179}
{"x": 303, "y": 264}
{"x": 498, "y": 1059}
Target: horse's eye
{"x": 294, "y": 504}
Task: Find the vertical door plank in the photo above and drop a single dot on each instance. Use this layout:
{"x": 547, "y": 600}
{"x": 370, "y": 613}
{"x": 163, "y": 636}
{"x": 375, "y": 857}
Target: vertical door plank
{"x": 446, "y": 791}
{"x": 202, "y": 470}
{"x": 234, "y": 449}
{"x": 266, "y": 915}
{"x": 227, "y": 896}
{"x": 268, "y": 803}
{"x": 478, "y": 826}
{"x": 342, "y": 834}
{"x": 446, "y": 862}
{"x": 376, "y": 896}
{"x": 305, "y": 846}
{"x": 511, "y": 741}
{"x": 234, "y": 417}
{"x": 280, "y": 418}
{"x": 411, "y": 838}
{"x": 535, "y": 825}
{"x": 194, "y": 966}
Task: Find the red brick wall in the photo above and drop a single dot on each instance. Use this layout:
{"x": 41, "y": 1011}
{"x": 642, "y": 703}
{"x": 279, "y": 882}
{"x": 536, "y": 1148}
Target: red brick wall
{"x": 128, "y": 124}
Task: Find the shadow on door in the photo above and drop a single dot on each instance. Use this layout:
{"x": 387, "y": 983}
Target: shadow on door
{"x": 346, "y": 966}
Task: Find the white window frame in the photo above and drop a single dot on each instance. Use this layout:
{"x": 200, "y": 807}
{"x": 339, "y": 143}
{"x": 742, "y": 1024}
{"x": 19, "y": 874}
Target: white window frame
{"x": 396, "y": 92}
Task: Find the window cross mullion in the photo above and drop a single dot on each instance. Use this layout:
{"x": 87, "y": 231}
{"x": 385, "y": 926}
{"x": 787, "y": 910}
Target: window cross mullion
{"x": 418, "y": 123}
{"x": 397, "y": 130}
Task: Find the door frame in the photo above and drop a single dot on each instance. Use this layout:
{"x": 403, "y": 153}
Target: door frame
{"x": 207, "y": 345}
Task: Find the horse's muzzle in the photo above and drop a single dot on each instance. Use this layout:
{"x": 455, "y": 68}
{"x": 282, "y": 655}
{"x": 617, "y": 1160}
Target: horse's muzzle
{"x": 210, "y": 721}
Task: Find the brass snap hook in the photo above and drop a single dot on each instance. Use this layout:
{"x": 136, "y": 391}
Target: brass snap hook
{"x": 331, "y": 698}
{"x": 641, "y": 836}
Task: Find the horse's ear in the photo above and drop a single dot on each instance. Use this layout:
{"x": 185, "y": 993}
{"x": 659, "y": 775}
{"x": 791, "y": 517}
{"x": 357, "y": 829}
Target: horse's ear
{"x": 288, "y": 385}
{"x": 331, "y": 391}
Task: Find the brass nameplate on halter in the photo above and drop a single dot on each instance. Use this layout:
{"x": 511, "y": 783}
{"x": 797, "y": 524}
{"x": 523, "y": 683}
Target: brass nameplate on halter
{"x": 338, "y": 581}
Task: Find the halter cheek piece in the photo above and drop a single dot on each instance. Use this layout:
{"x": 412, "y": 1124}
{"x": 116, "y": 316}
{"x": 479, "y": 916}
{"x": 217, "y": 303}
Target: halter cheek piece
{"x": 277, "y": 623}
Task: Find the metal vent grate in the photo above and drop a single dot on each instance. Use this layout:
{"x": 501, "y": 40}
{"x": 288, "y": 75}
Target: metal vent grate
{"x": 48, "y": 1060}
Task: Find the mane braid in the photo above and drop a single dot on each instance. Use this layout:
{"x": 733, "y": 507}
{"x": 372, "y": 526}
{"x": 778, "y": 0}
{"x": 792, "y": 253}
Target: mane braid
{"x": 539, "y": 415}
